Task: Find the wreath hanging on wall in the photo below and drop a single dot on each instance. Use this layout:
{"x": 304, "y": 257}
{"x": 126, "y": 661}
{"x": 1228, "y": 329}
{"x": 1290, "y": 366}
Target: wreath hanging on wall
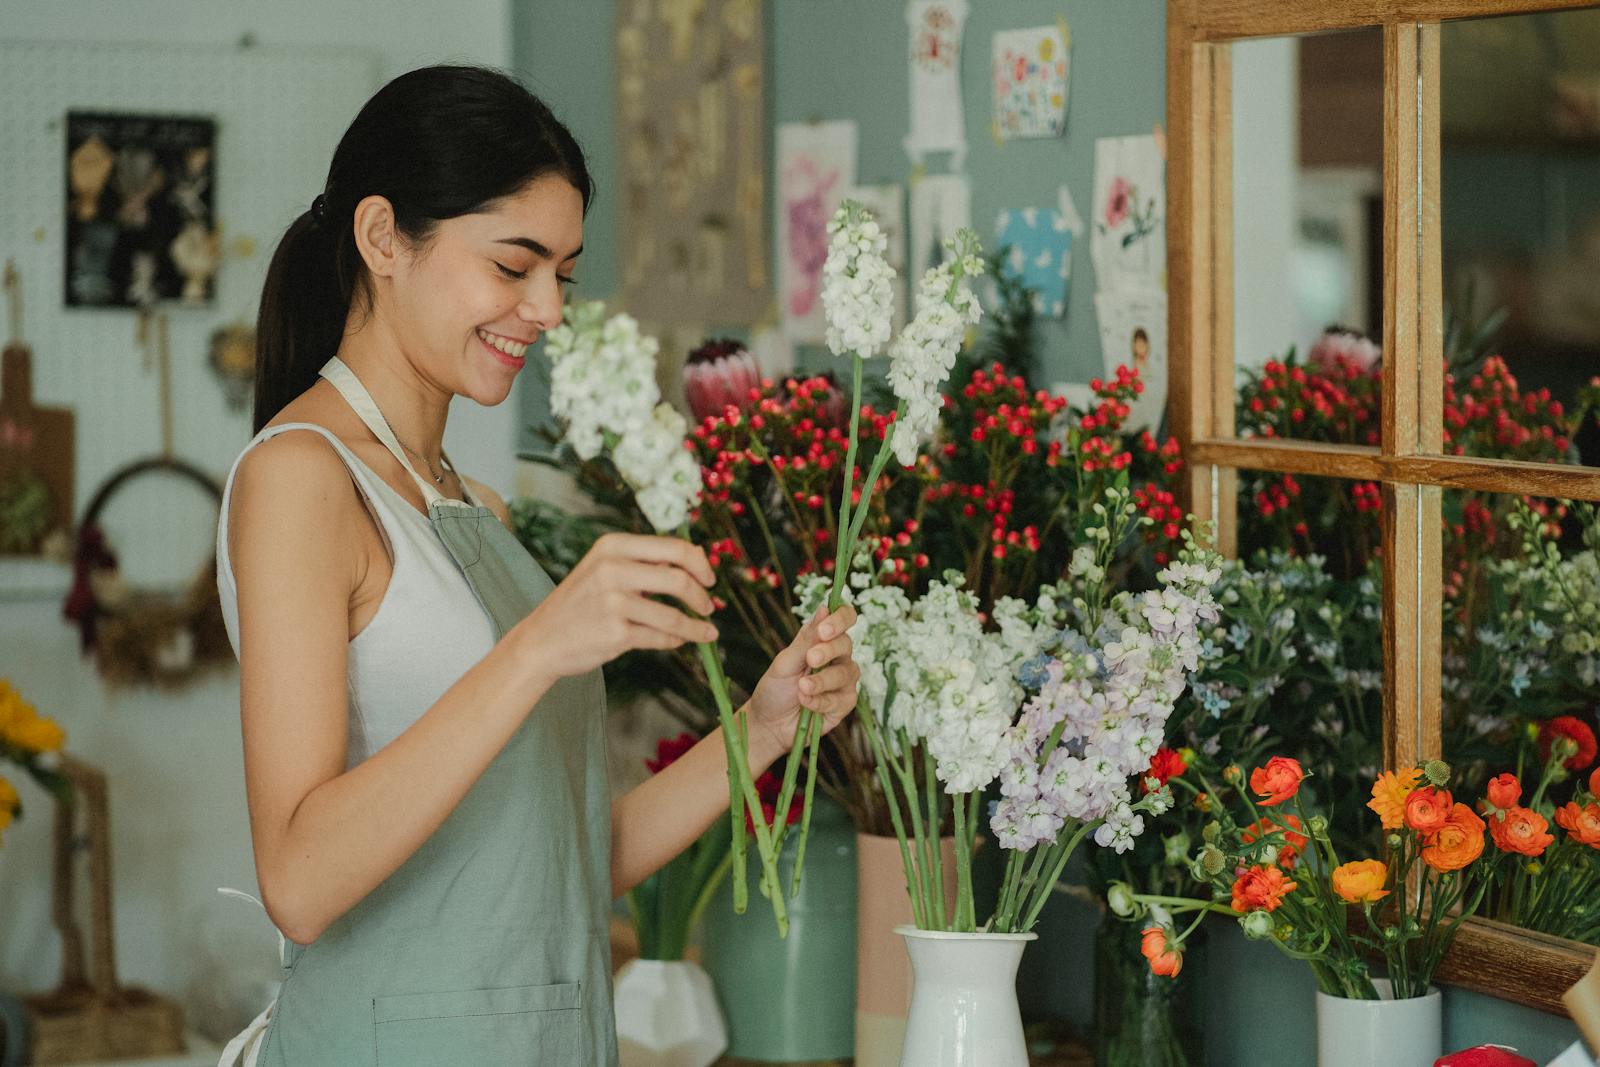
{"x": 143, "y": 637}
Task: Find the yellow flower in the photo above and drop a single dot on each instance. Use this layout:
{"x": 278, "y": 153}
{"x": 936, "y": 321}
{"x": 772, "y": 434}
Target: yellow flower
{"x": 37, "y": 734}
{"x": 1361, "y": 881}
{"x": 1389, "y": 794}
{"x": 22, "y": 726}
{"x": 8, "y": 803}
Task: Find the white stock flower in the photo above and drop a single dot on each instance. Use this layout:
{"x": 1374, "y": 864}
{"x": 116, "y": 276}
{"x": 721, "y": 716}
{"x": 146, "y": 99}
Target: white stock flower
{"x": 922, "y": 356}
{"x": 602, "y": 377}
{"x": 663, "y": 474}
{"x": 857, "y": 283}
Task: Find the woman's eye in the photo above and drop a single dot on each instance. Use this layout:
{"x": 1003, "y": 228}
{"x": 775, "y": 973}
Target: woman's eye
{"x": 565, "y": 280}
{"x": 509, "y": 273}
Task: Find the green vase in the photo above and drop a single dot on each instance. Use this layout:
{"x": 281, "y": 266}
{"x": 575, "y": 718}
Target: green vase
{"x": 791, "y": 999}
{"x": 1141, "y": 1018}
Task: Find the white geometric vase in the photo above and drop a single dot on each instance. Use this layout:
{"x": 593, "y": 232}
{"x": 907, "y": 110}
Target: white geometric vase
{"x": 667, "y": 1015}
{"x": 1396, "y": 1033}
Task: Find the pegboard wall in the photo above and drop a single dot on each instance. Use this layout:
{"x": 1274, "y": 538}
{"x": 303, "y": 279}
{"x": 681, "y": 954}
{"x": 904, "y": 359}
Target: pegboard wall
{"x": 279, "y": 114}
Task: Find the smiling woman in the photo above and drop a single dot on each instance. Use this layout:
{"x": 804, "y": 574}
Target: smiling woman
{"x": 422, "y": 708}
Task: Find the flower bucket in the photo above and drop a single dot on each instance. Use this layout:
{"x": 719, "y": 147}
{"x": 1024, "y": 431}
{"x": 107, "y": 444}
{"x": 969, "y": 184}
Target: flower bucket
{"x": 1397, "y": 1033}
{"x": 791, "y": 999}
{"x": 964, "y": 1000}
{"x": 883, "y": 969}
{"x": 667, "y": 1015}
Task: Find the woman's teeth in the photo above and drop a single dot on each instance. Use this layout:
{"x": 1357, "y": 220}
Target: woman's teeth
{"x": 513, "y": 349}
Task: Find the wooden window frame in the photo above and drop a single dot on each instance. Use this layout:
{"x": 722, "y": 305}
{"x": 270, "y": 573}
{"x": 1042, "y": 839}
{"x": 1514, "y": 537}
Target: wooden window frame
{"x": 1489, "y": 957}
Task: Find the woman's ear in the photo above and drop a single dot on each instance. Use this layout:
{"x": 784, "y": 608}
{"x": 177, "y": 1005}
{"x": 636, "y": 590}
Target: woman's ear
{"x": 375, "y": 235}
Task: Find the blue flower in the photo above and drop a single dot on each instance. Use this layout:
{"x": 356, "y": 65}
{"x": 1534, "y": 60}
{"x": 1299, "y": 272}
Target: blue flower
{"x": 1238, "y": 634}
{"x": 1034, "y": 672}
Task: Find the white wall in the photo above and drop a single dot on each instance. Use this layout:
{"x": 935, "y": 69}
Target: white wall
{"x": 174, "y": 763}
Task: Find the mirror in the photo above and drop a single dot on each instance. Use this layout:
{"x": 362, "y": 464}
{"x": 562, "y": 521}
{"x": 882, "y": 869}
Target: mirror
{"x": 1519, "y": 162}
{"x": 1308, "y": 234}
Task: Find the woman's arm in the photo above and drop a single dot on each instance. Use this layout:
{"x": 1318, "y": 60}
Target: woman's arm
{"x": 325, "y": 837}
{"x": 662, "y": 816}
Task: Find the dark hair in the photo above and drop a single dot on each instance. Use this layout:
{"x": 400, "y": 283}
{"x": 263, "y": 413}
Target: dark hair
{"x": 438, "y": 142}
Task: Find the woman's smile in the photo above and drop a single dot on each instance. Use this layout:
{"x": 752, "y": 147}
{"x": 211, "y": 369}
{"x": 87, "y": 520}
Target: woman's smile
{"x": 512, "y": 353}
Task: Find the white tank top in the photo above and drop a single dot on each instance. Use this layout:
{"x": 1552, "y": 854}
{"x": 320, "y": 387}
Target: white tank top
{"x": 429, "y": 629}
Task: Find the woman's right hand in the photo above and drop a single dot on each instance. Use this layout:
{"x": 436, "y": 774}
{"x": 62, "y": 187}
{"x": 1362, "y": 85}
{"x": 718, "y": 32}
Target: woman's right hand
{"x": 604, "y": 607}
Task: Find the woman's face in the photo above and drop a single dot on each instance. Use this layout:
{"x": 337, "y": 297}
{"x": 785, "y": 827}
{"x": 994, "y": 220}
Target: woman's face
{"x": 486, "y": 286}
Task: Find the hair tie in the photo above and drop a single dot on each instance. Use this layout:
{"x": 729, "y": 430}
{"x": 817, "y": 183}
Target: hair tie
{"x": 319, "y": 208}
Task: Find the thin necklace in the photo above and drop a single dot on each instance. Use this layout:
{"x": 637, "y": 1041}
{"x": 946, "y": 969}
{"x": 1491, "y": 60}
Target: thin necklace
{"x": 438, "y": 476}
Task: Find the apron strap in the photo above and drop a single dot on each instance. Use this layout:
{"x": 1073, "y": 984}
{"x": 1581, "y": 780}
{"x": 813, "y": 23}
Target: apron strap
{"x": 344, "y": 379}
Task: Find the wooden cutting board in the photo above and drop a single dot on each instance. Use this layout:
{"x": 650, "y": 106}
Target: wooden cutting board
{"x": 34, "y": 437}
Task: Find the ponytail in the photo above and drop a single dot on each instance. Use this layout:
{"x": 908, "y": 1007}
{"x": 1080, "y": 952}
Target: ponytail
{"x": 421, "y": 143}
{"x": 304, "y": 305}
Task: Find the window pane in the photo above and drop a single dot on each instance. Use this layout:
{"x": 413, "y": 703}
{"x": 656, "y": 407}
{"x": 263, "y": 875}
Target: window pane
{"x": 1313, "y": 543}
{"x": 1308, "y": 234}
{"x": 1519, "y": 675}
{"x": 1520, "y": 241}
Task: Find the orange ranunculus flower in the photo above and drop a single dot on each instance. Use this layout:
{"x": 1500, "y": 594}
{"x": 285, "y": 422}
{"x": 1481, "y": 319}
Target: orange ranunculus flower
{"x": 1290, "y": 843}
{"x": 1455, "y": 844}
{"x": 1428, "y": 808}
{"x": 1277, "y": 781}
{"x": 1522, "y": 830}
{"x": 1261, "y": 889}
{"x": 1361, "y": 881}
{"x": 1165, "y": 959}
{"x": 1583, "y": 824}
{"x": 1504, "y": 791}
{"x": 1389, "y": 794}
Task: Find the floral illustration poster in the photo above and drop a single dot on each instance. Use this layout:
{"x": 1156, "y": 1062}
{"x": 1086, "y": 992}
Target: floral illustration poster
{"x": 1128, "y": 240}
{"x": 1133, "y": 333}
{"x": 937, "y": 124}
{"x": 1030, "y": 82}
{"x": 1039, "y": 243}
{"x": 816, "y": 168}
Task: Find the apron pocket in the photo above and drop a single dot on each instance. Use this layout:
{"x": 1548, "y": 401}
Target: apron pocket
{"x": 535, "y": 1024}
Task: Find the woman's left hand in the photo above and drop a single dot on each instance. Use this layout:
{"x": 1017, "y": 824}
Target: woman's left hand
{"x": 823, "y": 645}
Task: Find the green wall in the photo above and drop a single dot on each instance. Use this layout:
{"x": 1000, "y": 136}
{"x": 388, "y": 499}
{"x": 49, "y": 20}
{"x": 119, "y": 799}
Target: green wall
{"x": 844, "y": 59}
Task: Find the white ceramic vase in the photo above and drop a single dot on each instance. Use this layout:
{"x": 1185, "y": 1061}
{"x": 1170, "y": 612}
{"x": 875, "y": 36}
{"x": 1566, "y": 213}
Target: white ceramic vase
{"x": 667, "y": 1015}
{"x": 964, "y": 1000}
{"x": 1396, "y": 1033}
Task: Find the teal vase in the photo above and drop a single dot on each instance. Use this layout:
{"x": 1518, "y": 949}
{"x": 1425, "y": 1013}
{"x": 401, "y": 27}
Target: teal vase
{"x": 791, "y": 999}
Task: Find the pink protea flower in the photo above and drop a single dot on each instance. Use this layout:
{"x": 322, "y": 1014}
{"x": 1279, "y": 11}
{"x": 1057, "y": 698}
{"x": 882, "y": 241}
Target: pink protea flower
{"x": 720, "y": 374}
{"x": 1337, "y": 349}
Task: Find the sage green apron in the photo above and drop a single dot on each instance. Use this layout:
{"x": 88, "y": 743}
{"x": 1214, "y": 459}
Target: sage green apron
{"x": 490, "y": 945}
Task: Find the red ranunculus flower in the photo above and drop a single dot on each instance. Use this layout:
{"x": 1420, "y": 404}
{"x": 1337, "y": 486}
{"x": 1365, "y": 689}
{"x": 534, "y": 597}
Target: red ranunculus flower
{"x": 1569, "y": 726}
{"x": 1166, "y": 763}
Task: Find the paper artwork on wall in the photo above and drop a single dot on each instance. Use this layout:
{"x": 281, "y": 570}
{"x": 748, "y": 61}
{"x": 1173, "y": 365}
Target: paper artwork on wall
{"x": 1129, "y": 215}
{"x": 1038, "y": 246}
{"x": 691, "y": 154}
{"x": 887, "y": 202}
{"x": 1030, "y": 82}
{"x": 1133, "y": 333}
{"x": 816, "y": 167}
{"x": 139, "y": 198}
{"x": 941, "y": 204}
{"x": 937, "y": 122}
